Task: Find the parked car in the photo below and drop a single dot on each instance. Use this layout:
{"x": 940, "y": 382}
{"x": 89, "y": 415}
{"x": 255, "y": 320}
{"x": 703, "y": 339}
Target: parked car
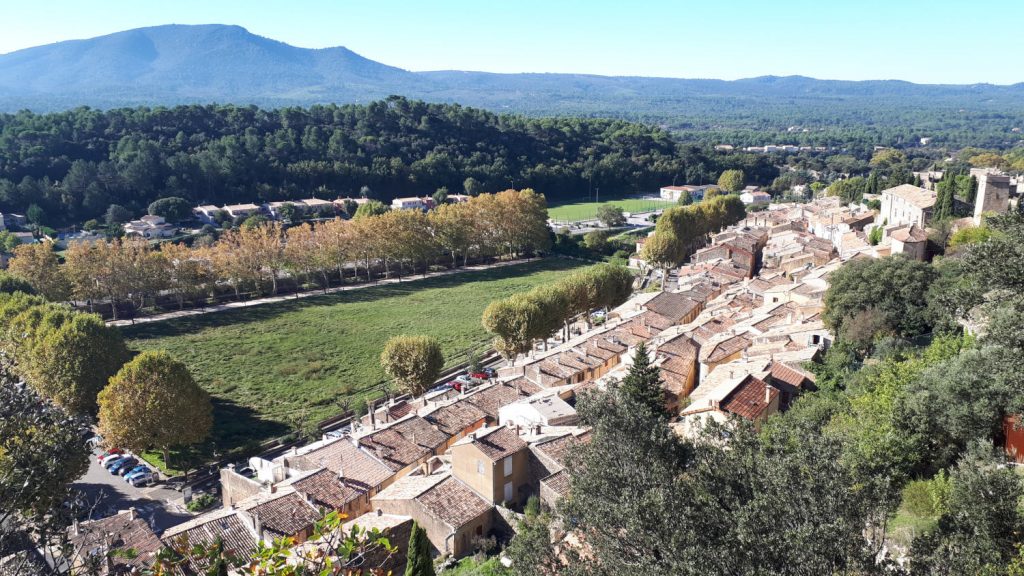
{"x": 135, "y": 470}
{"x": 484, "y": 374}
{"x": 112, "y": 459}
{"x": 143, "y": 479}
{"x": 124, "y": 465}
{"x": 111, "y": 452}
{"x": 455, "y": 384}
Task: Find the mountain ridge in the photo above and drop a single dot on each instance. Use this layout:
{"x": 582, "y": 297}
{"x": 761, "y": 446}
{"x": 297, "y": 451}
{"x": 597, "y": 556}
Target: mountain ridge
{"x": 197, "y": 64}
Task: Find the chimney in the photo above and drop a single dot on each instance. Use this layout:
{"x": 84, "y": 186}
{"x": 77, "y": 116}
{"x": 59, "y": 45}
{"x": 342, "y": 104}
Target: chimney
{"x": 131, "y": 513}
{"x": 767, "y": 394}
{"x": 75, "y": 528}
{"x": 257, "y": 526}
{"x": 380, "y": 512}
{"x": 373, "y": 415}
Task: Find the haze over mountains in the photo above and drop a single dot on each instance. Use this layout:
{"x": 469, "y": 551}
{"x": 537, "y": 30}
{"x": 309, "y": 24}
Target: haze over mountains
{"x": 176, "y": 64}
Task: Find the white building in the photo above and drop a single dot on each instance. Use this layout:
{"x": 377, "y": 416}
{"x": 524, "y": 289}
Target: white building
{"x": 543, "y": 409}
{"x": 755, "y": 197}
{"x": 150, "y": 227}
{"x": 907, "y": 204}
{"x": 411, "y": 203}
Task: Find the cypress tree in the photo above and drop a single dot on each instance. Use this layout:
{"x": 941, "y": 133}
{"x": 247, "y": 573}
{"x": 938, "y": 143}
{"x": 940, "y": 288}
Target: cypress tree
{"x": 419, "y": 562}
{"x": 642, "y": 385}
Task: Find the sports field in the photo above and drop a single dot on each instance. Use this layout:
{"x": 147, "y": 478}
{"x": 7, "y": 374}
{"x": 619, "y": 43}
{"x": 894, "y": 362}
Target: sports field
{"x": 267, "y": 365}
{"x": 575, "y": 212}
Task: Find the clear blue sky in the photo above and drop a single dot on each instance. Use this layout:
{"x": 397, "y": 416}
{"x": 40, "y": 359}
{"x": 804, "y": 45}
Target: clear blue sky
{"x": 935, "y": 41}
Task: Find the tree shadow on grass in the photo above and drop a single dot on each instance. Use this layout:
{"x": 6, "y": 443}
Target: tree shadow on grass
{"x": 263, "y": 312}
{"x": 237, "y": 427}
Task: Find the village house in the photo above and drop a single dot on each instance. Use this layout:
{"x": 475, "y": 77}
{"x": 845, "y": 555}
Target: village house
{"x": 238, "y": 531}
{"x": 404, "y": 444}
{"x": 494, "y": 462}
{"x": 96, "y": 544}
{"x": 150, "y": 227}
{"x": 240, "y": 211}
{"x": 9, "y": 221}
{"x": 208, "y": 213}
{"x": 911, "y": 241}
{"x": 410, "y": 203}
{"x": 548, "y": 453}
{"x": 453, "y": 514}
{"x": 752, "y": 195}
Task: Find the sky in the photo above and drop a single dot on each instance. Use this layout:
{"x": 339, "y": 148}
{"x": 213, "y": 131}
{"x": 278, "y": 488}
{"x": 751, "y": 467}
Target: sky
{"x": 927, "y": 41}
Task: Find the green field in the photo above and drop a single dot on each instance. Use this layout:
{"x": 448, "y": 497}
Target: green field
{"x": 587, "y": 210}
{"x": 267, "y": 365}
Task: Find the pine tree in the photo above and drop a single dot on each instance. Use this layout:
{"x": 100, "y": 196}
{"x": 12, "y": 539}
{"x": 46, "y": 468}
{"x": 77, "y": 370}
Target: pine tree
{"x": 418, "y": 561}
{"x": 642, "y": 385}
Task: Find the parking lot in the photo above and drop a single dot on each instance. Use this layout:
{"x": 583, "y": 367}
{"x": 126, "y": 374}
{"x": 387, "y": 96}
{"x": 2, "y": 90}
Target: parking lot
{"x": 106, "y": 493}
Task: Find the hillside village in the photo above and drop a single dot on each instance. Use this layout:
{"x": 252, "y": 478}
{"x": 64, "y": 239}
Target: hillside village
{"x": 731, "y": 341}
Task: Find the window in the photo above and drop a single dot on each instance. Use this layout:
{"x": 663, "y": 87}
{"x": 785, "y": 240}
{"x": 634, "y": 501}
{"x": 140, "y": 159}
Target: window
{"x": 508, "y": 465}
{"x": 508, "y": 491}
{"x": 480, "y": 467}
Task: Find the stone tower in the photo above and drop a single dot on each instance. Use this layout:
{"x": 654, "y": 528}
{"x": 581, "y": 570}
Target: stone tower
{"x": 993, "y": 192}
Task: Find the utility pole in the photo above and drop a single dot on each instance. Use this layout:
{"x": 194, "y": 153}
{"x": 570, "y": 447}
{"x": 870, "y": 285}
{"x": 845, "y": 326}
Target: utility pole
{"x": 597, "y": 194}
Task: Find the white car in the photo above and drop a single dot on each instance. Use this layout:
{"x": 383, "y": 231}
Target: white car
{"x": 144, "y": 479}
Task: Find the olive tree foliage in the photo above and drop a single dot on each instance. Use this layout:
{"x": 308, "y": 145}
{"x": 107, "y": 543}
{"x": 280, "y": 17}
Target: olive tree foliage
{"x": 153, "y": 402}
{"x": 413, "y": 362}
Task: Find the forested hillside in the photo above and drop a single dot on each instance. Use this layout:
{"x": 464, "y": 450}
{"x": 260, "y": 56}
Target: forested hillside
{"x": 75, "y": 164}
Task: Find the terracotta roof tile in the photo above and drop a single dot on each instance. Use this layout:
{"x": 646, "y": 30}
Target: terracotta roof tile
{"x": 491, "y": 399}
{"x": 328, "y": 491}
{"x": 404, "y": 442}
{"x": 456, "y": 417}
{"x": 672, "y": 305}
{"x": 343, "y": 458}
{"x": 748, "y": 399}
{"x": 454, "y": 503}
{"x": 286, "y": 515}
{"x": 226, "y": 525}
{"x": 499, "y": 443}
{"x": 558, "y": 483}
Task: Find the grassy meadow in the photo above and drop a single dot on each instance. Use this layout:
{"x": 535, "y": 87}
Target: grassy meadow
{"x": 267, "y": 366}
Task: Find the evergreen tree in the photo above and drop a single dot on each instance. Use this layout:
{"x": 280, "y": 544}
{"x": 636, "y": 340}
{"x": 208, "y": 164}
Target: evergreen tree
{"x": 419, "y": 562}
{"x": 642, "y": 385}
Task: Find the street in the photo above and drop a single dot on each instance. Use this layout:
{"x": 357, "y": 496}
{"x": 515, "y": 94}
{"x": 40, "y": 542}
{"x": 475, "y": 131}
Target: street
{"x": 105, "y": 494}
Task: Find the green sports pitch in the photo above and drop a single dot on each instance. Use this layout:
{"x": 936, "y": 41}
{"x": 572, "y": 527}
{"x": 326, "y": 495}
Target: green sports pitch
{"x": 579, "y": 211}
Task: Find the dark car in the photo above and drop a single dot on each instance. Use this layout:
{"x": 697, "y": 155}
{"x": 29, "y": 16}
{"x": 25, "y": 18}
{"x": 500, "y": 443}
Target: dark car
{"x": 124, "y": 465}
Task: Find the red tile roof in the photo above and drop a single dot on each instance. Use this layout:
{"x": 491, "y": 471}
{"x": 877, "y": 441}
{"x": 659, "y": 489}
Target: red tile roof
{"x": 404, "y": 443}
{"x": 124, "y": 532}
{"x": 286, "y": 515}
{"x": 456, "y": 417}
{"x": 748, "y": 399}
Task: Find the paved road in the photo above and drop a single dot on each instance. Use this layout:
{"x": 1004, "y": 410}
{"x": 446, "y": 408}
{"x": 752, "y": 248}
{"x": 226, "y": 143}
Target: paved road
{"x": 307, "y": 294}
{"x": 107, "y": 493}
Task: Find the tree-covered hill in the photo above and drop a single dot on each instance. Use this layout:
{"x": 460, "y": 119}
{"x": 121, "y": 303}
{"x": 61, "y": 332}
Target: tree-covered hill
{"x": 75, "y": 164}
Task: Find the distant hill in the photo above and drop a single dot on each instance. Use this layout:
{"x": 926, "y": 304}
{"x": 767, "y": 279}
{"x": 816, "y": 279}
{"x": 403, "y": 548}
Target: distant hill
{"x": 178, "y": 64}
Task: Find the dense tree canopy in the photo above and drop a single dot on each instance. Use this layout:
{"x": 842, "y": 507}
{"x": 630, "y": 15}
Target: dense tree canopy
{"x": 76, "y": 164}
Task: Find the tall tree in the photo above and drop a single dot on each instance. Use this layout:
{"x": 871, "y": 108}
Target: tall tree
{"x": 731, "y": 180}
{"x": 38, "y": 265}
{"x": 153, "y": 402}
{"x": 642, "y": 384}
{"x": 413, "y": 362}
{"x": 418, "y": 562}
